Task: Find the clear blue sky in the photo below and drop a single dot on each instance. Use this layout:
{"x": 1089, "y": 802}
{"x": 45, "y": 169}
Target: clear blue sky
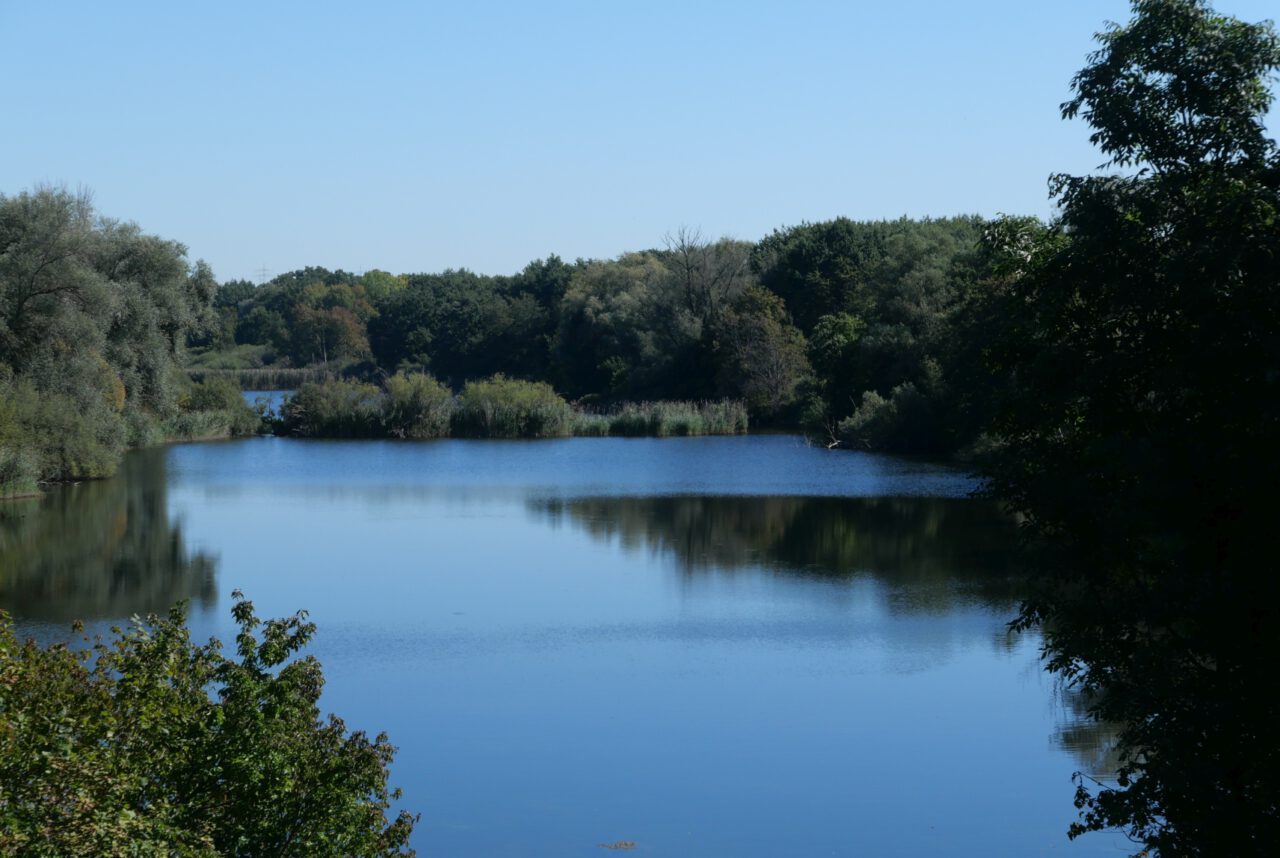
{"x": 415, "y": 136}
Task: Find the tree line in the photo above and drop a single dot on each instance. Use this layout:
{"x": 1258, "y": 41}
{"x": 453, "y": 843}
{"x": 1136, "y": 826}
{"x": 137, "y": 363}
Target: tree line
{"x": 841, "y": 327}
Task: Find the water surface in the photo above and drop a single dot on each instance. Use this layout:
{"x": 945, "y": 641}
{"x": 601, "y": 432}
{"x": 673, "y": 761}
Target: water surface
{"x": 710, "y": 646}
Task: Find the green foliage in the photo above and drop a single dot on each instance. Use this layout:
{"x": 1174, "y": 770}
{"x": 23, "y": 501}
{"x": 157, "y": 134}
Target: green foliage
{"x": 820, "y": 269}
{"x": 232, "y": 358}
{"x": 233, "y": 293}
{"x": 57, "y": 434}
{"x": 151, "y": 745}
{"x": 1179, "y": 88}
{"x": 461, "y": 326}
{"x": 94, "y": 318}
{"x": 211, "y": 394}
{"x": 903, "y": 423}
{"x": 611, "y": 339}
{"x": 208, "y": 425}
{"x": 761, "y": 354}
{"x": 1136, "y": 422}
{"x": 502, "y": 407}
{"x": 689, "y": 321}
{"x": 879, "y": 303}
{"x": 265, "y": 378}
{"x": 417, "y": 406}
{"x": 262, "y": 326}
{"x": 212, "y": 408}
{"x": 590, "y": 425}
{"x": 833, "y": 349}
{"x": 659, "y": 419}
{"x": 335, "y": 409}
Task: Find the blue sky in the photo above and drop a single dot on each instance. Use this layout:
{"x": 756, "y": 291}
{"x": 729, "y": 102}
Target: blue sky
{"x": 420, "y": 136}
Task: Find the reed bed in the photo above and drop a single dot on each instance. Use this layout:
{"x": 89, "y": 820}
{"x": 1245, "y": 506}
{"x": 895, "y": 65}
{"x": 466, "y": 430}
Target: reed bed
{"x": 265, "y": 378}
{"x": 662, "y": 419}
{"x": 502, "y": 407}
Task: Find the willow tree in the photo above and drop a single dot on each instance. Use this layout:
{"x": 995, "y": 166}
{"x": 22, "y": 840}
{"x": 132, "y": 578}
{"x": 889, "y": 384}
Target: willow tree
{"x": 94, "y": 316}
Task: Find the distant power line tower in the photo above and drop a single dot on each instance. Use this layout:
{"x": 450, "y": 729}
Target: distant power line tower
{"x": 262, "y": 274}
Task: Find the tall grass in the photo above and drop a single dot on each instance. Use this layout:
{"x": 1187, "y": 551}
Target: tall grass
{"x": 588, "y": 424}
{"x": 660, "y": 419}
{"x": 501, "y": 407}
{"x": 417, "y": 406}
{"x": 243, "y": 356}
{"x": 207, "y": 425}
{"x": 211, "y": 409}
{"x": 266, "y": 378}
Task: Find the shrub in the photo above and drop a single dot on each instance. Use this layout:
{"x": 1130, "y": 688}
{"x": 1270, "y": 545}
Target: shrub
{"x": 214, "y": 393}
{"x": 903, "y": 423}
{"x": 151, "y": 745}
{"x": 204, "y": 425}
{"x": 334, "y": 409}
{"x": 417, "y": 406}
{"x": 502, "y": 407}
{"x": 213, "y": 408}
{"x": 60, "y": 437}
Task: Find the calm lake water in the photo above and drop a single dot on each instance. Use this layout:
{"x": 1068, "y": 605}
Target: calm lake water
{"x": 711, "y": 646}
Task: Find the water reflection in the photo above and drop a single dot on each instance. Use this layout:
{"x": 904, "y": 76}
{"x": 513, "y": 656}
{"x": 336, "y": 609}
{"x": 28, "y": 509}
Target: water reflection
{"x": 716, "y": 633}
{"x": 1092, "y": 743}
{"x": 927, "y": 551}
{"x": 929, "y": 554}
{"x": 98, "y": 550}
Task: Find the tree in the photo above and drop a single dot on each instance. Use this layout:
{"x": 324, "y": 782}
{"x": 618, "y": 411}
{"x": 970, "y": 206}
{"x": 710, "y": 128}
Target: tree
{"x": 324, "y": 333}
{"x": 820, "y": 268}
{"x": 94, "y": 318}
{"x": 1138, "y": 426}
{"x": 762, "y": 354}
{"x": 611, "y": 339}
{"x": 150, "y": 744}
{"x": 707, "y": 276}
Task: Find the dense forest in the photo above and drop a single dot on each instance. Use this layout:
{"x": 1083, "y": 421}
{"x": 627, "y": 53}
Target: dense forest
{"x": 844, "y": 328}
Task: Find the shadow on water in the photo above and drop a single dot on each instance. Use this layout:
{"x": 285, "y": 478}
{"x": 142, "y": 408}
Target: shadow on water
{"x": 928, "y": 552}
{"x": 99, "y": 550}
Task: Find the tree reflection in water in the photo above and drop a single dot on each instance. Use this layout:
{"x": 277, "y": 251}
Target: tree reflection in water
{"x": 929, "y": 554}
{"x": 102, "y": 549}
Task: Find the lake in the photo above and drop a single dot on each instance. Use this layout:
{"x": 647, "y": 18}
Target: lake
{"x": 734, "y": 646}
